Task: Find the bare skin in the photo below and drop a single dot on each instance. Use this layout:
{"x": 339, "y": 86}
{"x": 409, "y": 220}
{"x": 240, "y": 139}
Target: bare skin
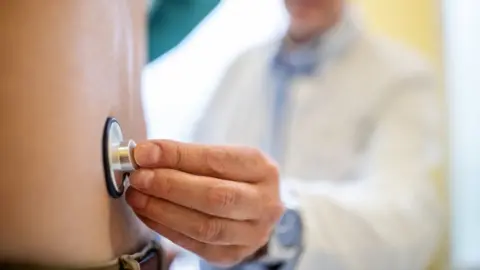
{"x": 66, "y": 66}
{"x": 220, "y": 202}
{"x": 311, "y": 18}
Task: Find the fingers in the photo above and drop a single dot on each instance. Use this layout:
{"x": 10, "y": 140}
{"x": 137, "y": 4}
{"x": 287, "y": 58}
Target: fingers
{"x": 220, "y": 255}
{"x": 222, "y": 198}
{"x": 228, "y": 162}
{"x": 181, "y": 194}
{"x": 196, "y": 225}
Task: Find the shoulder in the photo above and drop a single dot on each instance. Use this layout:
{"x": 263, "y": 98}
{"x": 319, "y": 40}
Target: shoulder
{"x": 242, "y": 72}
{"x": 254, "y": 56}
{"x": 390, "y": 59}
{"x": 384, "y": 71}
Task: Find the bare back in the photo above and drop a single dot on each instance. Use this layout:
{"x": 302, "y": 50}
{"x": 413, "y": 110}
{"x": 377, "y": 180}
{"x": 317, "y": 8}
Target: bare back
{"x": 65, "y": 66}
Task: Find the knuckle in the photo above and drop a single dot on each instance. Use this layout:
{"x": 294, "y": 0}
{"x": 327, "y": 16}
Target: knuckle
{"x": 166, "y": 183}
{"x": 148, "y": 206}
{"x": 178, "y": 155}
{"x": 222, "y": 198}
{"x": 265, "y": 238}
{"x": 265, "y": 235}
{"x": 215, "y": 158}
{"x": 211, "y": 230}
{"x": 278, "y": 209}
{"x": 255, "y": 153}
{"x": 263, "y": 232}
{"x": 272, "y": 171}
{"x": 268, "y": 168}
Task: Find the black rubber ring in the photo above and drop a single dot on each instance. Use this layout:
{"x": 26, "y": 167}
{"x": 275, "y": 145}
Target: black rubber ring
{"x": 109, "y": 178}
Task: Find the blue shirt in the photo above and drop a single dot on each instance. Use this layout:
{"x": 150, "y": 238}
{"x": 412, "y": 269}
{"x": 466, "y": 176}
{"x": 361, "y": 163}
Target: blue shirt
{"x": 285, "y": 66}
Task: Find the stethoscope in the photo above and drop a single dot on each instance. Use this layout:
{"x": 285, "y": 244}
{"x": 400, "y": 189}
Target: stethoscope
{"x": 119, "y": 162}
{"x": 118, "y": 159}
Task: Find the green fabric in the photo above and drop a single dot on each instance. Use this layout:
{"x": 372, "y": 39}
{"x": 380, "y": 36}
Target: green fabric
{"x": 172, "y": 20}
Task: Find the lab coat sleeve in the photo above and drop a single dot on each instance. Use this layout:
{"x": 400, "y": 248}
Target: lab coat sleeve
{"x": 392, "y": 217}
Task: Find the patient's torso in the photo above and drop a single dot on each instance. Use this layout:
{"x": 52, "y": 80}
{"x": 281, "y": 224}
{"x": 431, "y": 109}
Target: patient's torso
{"x": 65, "y": 66}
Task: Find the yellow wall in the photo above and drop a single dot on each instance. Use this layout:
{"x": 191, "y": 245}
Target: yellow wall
{"x": 418, "y": 24}
{"x": 415, "y": 22}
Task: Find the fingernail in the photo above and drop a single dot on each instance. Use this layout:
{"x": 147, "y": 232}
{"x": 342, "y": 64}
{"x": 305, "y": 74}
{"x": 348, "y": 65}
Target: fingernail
{"x": 136, "y": 199}
{"x": 141, "y": 179}
{"x": 147, "y": 154}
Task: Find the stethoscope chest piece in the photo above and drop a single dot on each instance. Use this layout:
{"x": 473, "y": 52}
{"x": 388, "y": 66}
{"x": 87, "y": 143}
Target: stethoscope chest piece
{"x": 118, "y": 159}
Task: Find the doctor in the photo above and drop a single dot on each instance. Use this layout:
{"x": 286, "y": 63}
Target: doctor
{"x": 354, "y": 124}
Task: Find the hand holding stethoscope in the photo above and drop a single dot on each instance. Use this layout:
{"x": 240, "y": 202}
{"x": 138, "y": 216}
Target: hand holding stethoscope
{"x": 220, "y": 202}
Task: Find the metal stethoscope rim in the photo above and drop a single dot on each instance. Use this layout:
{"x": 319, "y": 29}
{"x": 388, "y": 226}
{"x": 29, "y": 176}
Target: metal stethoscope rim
{"x": 117, "y": 156}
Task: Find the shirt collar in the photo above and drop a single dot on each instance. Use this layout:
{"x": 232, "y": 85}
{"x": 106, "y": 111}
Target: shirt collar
{"x": 308, "y": 57}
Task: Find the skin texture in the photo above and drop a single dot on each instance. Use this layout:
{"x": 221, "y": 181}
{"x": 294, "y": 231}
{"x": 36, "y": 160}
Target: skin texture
{"x": 310, "y": 18}
{"x": 221, "y": 202}
{"x": 65, "y": 66}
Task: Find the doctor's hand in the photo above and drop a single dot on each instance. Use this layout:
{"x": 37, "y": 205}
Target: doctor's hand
{"x": 220, "y": 202}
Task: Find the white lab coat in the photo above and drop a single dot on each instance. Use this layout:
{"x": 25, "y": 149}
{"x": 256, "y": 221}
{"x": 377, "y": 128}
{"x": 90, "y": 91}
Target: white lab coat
{"x": 363, "y": 139}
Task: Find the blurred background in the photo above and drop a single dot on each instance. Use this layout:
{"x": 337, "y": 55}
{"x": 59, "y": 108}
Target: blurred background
{"x": 446, "y": 32}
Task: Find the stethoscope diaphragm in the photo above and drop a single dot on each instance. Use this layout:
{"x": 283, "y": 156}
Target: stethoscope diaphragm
{"x": 118, "y": 159}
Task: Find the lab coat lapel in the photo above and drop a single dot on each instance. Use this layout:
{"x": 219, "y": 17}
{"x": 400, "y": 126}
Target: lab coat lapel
{"x": 250, "y": 123}
{"x": 315, "y": 100}
{"x": 314, "y": 104}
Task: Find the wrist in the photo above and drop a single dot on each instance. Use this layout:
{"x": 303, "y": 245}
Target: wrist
{"x": 286, "y": 241}
{"x": 285, "y": 244}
